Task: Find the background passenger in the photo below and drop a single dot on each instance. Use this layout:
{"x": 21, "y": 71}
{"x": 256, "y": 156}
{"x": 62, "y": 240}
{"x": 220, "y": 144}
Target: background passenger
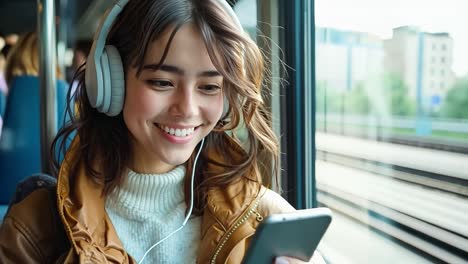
{"x": 3, "y": 85}
{"x": 80, "y": 53}
{"x": 23, "y": 58}
{"x": 9, "y": 42}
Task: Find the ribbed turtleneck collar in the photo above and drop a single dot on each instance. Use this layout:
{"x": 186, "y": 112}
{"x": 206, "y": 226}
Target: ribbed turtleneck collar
{"x": 152, "y": 193}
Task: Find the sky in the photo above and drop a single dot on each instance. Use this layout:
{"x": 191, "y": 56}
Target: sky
{"x": 380, "y": 16}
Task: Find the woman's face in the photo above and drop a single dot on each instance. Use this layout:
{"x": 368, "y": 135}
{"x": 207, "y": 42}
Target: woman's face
{"x": 168, "y": 111}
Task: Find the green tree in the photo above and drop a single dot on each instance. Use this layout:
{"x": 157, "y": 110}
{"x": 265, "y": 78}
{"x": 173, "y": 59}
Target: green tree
{"x": 455, "y": 104}
{"x": 367, "y": 96}
{"x": 396, "y": 92}
{"x": 327, "y": 98}
{"x": 358, "y": 101}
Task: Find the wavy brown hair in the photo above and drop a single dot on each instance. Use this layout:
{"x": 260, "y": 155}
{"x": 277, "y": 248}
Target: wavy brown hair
{"x": 235, "y": 56}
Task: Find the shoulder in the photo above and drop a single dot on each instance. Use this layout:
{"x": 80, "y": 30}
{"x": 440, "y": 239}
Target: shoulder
{"x": 273, "y": 203}
{"x": 38, "y": 204}
{"x": 32, "y": 230}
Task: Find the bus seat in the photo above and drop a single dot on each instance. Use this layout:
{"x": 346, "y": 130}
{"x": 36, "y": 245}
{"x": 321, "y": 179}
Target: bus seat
{"x": 26, "y": 187}
{"x": 20, "y": 138}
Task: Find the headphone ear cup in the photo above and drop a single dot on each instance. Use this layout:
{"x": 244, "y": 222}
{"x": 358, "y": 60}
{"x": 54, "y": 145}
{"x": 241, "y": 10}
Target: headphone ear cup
{"x": 93, "y": 81}
{"x": 105, "y": 88}
{"x": 117, "y": 81}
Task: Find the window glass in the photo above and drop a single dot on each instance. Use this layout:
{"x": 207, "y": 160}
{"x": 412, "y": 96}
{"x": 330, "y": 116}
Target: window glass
{"x": 260, "y": 19}
{"x": 246, "y": 10}
{"x": 392, "y": 129}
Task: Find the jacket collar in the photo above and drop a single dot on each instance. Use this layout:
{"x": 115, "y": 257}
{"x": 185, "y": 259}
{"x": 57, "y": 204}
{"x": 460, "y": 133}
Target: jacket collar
{"x": 81, "y": 205}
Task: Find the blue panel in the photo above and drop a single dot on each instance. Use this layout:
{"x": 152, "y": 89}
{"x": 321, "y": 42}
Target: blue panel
{"x": 3, "y": 209}
{"x": 436, "y": 100}
{"x": 349, "y": 72}
{"x": 423, "y": 123}
{"x": 2, "y": 103}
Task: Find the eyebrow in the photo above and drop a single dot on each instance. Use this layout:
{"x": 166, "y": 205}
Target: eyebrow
{"x": 177, "y": 70}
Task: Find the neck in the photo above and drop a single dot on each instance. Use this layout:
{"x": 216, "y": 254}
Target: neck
{"x": 144, "y": 161}
{"x": 150, "y": 167}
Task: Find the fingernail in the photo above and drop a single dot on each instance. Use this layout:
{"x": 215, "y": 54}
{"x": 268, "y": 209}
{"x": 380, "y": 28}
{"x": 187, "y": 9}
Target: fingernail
{"x": 281, "y": 260}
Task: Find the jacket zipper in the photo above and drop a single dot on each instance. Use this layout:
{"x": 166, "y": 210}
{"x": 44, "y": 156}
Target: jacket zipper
{"x": 241, "y": 221}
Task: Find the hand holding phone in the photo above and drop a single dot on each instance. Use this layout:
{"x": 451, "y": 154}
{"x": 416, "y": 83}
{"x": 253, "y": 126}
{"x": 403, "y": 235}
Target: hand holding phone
{"x": 296, "y": 234}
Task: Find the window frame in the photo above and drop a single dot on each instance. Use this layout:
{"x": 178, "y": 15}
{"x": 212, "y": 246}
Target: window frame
{"x": 298, "y": 102}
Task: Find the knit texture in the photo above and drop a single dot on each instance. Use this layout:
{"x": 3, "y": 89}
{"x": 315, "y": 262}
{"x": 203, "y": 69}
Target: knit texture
{"x": 148, "y": 207}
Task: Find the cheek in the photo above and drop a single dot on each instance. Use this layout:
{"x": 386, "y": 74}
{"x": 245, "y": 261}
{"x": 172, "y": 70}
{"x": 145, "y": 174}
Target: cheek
{"x": 139, "y": 102}
{"x": 214, "y": 109}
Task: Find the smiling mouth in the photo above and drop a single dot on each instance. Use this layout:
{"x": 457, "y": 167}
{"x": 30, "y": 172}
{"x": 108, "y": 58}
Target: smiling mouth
{"x": 177, "y": 132}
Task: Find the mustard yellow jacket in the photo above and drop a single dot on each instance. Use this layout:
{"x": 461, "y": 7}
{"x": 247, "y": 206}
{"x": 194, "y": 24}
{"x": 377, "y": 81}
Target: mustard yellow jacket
{"x": 81, "y": 231}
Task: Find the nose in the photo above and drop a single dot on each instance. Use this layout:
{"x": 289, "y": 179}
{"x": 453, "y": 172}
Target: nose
{"x": 184, "y": 102}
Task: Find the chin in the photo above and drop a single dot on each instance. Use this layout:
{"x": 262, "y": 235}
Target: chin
{"x": 177, "y": 160}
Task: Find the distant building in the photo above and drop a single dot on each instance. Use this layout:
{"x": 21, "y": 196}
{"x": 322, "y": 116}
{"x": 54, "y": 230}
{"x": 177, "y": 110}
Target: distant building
{"x": 343, "y": 58}
{"x": 423, "y": 60}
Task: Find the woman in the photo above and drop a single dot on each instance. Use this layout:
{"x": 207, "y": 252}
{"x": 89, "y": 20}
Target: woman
{"x": 154, "y": 142}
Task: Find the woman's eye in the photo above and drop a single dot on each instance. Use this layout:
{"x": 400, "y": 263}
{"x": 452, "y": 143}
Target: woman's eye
{"x": 210, "y": 89}
{"x": 161, "y": 84}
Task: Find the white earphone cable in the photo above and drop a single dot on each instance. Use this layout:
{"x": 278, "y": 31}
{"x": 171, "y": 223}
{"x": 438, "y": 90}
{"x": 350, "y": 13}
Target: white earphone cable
{"x": 190, "y": 208}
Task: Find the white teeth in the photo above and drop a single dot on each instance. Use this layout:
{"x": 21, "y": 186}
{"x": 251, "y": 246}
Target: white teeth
{"x": 177, "y": 132}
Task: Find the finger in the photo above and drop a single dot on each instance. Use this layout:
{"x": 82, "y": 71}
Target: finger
{"x": 281, "y": 260}
{"x": 287, "y": 260}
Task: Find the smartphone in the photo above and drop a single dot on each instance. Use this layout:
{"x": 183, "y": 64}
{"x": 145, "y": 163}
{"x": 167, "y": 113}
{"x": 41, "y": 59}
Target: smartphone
{"x": 296, "y": 234}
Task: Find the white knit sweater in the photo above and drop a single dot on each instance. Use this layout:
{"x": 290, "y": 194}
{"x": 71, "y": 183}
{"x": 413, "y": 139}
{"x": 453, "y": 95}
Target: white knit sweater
{"x": 146, "y": 209}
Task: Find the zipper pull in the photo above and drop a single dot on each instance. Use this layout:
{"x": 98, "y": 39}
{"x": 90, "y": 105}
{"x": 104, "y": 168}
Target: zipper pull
{"x": 259, "y": 216}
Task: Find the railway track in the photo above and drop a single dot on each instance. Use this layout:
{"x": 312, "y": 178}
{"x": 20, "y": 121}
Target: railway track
{"x": 450, "y": 145}
{"x": 416, "y": 195}
{"x": 412, "y": 212}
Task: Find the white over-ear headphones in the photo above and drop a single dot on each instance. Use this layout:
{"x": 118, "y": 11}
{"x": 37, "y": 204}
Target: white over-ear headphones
{"x": 104, "y": 77}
